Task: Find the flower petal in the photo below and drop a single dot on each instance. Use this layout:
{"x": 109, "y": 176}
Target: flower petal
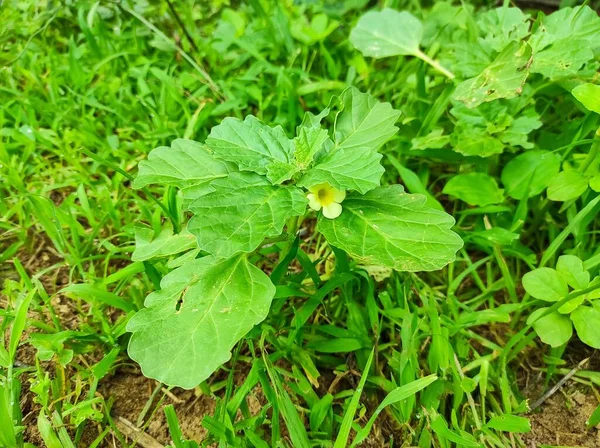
{"x": 332, "y": 211}
{"x": 339, "y": 195}
{"x": 313, "y": 202}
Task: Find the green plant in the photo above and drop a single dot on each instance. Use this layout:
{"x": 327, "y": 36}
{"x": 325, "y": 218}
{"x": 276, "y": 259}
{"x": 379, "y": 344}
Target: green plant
{"x": 579, "y": 309}
{"x": 243, "y": 187}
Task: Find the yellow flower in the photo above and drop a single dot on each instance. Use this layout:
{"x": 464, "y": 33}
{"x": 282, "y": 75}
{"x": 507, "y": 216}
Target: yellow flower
{"x": 324, "y": 196}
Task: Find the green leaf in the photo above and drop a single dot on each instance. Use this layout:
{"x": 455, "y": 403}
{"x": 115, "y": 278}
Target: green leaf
{"x": 389, "y": 227}
{"x": 500, "y": 26}
{"x": 474, "y": 189}
{"x": 462, "y": 439}
{"x": 183, "y": 164}
{"x": 509, "y": 423}
{"x": 588, "y": 95}
{"x": 570, "y": 268}
{"x": 363, "y": 121}
{"x": 434, "y": 140}
{"x": 250, "y": 144}
{"x": 189, "y": 327}
{"x": 164, "y": 245}
{"x": 346, "y": 169}
{"x": 545, "y": 284}
{"x": 553, "y": 329}
{"x": 388, "y": 32}
{"x": 503, "y": 78}
{"x": 564, "y": 41}
{"x": 241, "y": 212}
{"x": 475, "y": 142}
{"x": 309, "y": 142}
{"x": 530, "y": 173}
{"x": 567, "y": 185}
{"x": 595, "y": 183}
{"x": 587, "y": 323}
{"x": 278, "y": 172}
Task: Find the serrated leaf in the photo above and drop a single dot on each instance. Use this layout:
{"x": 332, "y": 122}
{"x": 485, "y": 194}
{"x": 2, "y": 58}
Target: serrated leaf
{"x": 503, "y": 78}
{"x": 545, "y": 284}
{"x": 553, "y": 329}
{"x": 363, "y": 122}
{"x": 388, "y": 32}
{"x": 567, "y": 185}
{"x": 570, "y": 268}
{"x": 189, "y": 327}
{"x": 278, "y": 172}
{"x": 579, "y": 23}
{"x": 474, "y": 189}
{"x": 500, "y": 26}
{"x": 346, "y": 169}
{"x": 163, "y": 245}
{"x": 309, "y": 142}
{"x": 530, "y": 173}
{"x": 183, "y": 164}
{"x": 389, "y": 227}
{"x": 250, "y": 144}
{"x": 587, "y": 323}
{"x": 241, "y": 212}
{"x": 588, "y": 95}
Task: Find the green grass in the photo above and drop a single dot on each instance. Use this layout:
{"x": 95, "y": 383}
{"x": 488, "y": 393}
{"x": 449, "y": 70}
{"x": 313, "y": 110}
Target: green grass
{"x": 88, "y": 89}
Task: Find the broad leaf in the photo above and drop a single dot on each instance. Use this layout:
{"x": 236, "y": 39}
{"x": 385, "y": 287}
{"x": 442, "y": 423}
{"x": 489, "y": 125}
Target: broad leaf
{"x": 184, "y": 164}
{"x": 503, "y": 78}
{"x": 554, "y": 329}
{"x": 588, "y": 95}
{"x": 500, "y": 26}
{"x": 530, "y": 173}
{"x": 570, "y": 268}
{"x": 389, "y": 227}
{"x": 203, "y": 308}
{"x": 163, "y": 245}
{"x": 564, "y": 58}
{"x": 509, "y": 423}
{"x": 363, "y": 121}
{"x": 587, "y": 323}
{"x": 387, "y": 33}
{"x": 346, "y": 169}
{"x": 545, "y": 284}
{"x": 475, "y": 189}
{"x": 241, "y": 212}
{"x": 567, "y": 185}
{"x": 250, "y": 144}
{"x": 434, "y": 140}
{"x": 475, "y": 142}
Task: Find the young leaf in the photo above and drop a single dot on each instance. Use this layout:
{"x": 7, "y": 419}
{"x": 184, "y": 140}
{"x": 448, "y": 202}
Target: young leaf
{"x": 475, "y": 142}
{"x": 250, "y": 144}
{"x": 570, "y": 268}
{"x": 587, "y": 323}
{"x": 545, "y": 284}
{"x": 553, "y": 329}
{"x": 183, "y": 164}
{"x": 164, "y": 245}
{"x": 503, "y": 78}
{"x": 389, "y": 227}
{"x": 475, "y": 189}
{"x": 363, "y": 121}
{"x": 388, "y": 32}
{"x": 567, "y": 185}
{"x": 189, "y": 327}
{"x": 588, "y": 95}
{"x": 500, "y": 26}
{"x": 241, "y": 212}
{"x": 530, "y": 173}
{"x": 346, "y": 169}
{"x": 309, "y": 142}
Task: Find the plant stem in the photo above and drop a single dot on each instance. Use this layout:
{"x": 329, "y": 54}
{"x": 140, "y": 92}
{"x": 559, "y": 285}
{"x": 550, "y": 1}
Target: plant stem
{"x": 435, "y": 64}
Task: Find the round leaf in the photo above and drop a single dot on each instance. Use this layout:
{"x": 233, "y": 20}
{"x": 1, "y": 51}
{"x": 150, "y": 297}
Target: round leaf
{"x": 567, "y": 185}
{"x": 545, "y": 284}
{"x": 387, "y": 33}
{"x": 587, "y": 323}
{"x": 474, "y": 189}
{"x": 588, "y": 95}
{"x": 530, "y": 173}
{"x": 553, "y": 329}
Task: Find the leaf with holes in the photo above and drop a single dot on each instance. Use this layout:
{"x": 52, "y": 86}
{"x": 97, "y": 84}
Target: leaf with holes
{"x": 203, "y": 308}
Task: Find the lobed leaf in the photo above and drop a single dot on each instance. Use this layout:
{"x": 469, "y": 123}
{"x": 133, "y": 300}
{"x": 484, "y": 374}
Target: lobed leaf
{"x": 241, "y": 211}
